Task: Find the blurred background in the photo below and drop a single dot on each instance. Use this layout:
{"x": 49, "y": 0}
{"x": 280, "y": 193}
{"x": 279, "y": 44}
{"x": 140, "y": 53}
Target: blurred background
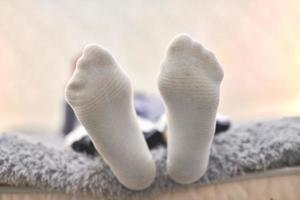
{"x": 258, "y": 43}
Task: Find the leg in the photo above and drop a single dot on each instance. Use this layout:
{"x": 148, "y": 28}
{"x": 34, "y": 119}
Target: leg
{"x": 189, "y": 84}
{"x": 100, "y": 94}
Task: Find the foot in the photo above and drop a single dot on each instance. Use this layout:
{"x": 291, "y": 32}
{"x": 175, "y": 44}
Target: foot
{"x": 100, "y": 94}
{"x": 189, "y": 84}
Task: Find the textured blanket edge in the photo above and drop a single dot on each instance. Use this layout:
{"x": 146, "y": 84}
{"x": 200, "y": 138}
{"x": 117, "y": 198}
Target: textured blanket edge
{"x": 246, "y": 148}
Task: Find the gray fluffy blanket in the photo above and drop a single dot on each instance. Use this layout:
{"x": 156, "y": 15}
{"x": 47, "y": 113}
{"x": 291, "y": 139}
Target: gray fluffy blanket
{"x": 244, "y": 149}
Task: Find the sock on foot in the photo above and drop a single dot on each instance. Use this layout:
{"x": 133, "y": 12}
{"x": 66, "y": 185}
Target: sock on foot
{"x": 189, "y": 84}
{"x": 100, "y": 93}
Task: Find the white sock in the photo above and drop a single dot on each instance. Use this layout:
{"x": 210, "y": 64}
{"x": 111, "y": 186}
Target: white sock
{"x": 100, "y": 93}
{"x": 189, "y": 84}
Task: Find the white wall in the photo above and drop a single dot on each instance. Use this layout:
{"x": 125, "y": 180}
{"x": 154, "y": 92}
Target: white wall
{"x": 257, "y": 42}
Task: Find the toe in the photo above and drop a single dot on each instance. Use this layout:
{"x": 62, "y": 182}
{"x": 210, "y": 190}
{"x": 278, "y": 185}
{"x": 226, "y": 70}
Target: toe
{"x": 74, "y": 87}
{"x": 82, "y": 62}
{"x": 197, "y": 47}
{"x": 211, "y": 64}
{"x": 76, "y": 83}
{"x": 204, "y": 54}
{"x": 180, "y": 42}
{"x": 94, "y": 51}
{"x": 95, "y": 54}
{"x": 200, "y": 51}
